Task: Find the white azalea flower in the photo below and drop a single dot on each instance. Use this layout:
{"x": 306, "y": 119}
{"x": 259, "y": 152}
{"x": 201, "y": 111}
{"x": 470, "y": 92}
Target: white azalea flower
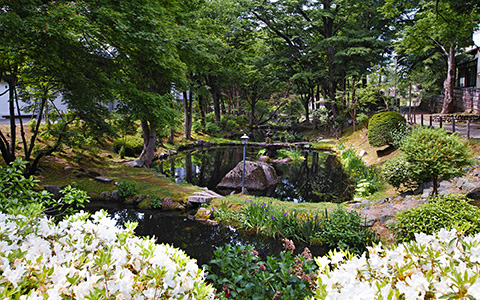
{"x": 423, "y": 239}
{"x": 337, "y": 257}
{"x": 15, "y": 275}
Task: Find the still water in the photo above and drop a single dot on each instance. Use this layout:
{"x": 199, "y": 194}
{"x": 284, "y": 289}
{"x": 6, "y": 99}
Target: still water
{"x": 198, "y": 240}
{"x": 318, "y": 177}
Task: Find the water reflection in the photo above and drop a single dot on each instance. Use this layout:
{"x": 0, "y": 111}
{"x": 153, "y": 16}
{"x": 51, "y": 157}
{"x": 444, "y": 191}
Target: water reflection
{"x": 319, "y": 177}
{"x": 196, "y": 239}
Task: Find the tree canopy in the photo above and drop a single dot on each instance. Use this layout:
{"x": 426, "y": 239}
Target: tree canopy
{"x": 236, "y": 63}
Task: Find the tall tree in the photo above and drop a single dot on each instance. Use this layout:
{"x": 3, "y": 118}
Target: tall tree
{"x": 441, "y": 25}
{"x": 323, "y": 39}
{"x": 43, "y": 52}
{"x": 143, "y": 36}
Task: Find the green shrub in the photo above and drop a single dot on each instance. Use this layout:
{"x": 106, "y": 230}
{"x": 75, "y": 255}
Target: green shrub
{"x": 399, "y": 173}
{"x": 339, "y": 229}
{"x": 230, "y": 122}
{"x": 345, "y": 230}
{"x": 446, "y": 211}
{"x": 381, "y": 125}
{"x": 367, "y": 178}
{"x": 18, "y": 194}
{"x": 295, "y": 154}
{"x": 156, "y": 201}
{"x": 132, "y": 145}
{"x": 197, "y": 126}
{"x": 241, "y": 274}
{"x": 362, "y": 118}
{"x": 212, "y": 128}
{"x": 127, "y": 188}
{"x": 436, "y": 154}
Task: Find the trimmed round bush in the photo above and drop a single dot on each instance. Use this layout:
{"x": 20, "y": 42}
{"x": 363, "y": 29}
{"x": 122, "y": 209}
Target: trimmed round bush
{"x": 444, "y": 211}
{"x": 133, "y": 145}
{"x": 381, "y": 126}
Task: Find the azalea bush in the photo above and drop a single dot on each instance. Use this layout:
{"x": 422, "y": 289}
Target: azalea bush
{"x": 239, "y": 273}
{"x": 445, "y": 265}
{"x": 90, "y": 258}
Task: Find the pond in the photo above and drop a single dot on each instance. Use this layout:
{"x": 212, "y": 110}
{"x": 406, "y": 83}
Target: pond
{"x": 198, "y": 240}
{"x": 317, "y": 178}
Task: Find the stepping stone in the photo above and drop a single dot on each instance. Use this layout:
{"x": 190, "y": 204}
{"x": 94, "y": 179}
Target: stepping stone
{"x": 103, "y": 179}
{"x": 203, "y": 197}
{"x": 199, "y": 199}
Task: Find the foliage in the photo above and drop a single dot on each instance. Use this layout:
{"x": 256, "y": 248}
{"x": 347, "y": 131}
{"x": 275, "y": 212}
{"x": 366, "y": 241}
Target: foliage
{"x": 91, "y": 258}
{"x": 212, "y": 128}
{"x": 446, "y": 211}
{"x": 296, "y": 154}
{"x": 320, "y": 116}
{"x": 399, "y": 135}
{"x": 155, "y": 201}
{"x": 241, "y": 274}
{"x": 132, "y": 145}
{"x": 444, "y": 265}
{"x": 127, "y": 188}
{"x": 430, "y": 31}
{"x": 232, "y": 123}
{"x": 339, "y": 228}
{"x": 367, "y": 179}
{"x": 399, "y": 173}
{"x": 342, "y": 229}
{"x": 436, "y": 154}
{"x": 225, "y": 215}
{"x": 362, "y": 118}
{"x": 286, "y": 136}
{"x": 381, "y": 126}
{"x": 17, "y": 192}
{"x": 261, "y": 152}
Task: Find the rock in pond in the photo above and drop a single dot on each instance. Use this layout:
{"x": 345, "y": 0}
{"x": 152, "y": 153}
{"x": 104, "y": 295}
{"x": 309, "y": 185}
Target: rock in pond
{"x": 258, "y": 176}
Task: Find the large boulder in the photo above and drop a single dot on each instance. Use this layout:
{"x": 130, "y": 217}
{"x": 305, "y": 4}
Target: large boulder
{"x": 258, "y": 176}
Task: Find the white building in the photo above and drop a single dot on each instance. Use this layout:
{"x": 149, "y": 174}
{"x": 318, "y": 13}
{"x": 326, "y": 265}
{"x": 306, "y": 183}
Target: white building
{"x": 4, "y": 104}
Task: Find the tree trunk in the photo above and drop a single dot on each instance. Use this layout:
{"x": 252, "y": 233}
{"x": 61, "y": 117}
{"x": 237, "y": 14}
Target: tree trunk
{"x": 448, "y": 84}
{"x": 171, "y": 137}
{"x": 187, "y": 107}
{"x": 216, "y": 97}
{"x": 11, "y": 80}
{"x": 202, "y": 107}
{"x": 149, "y": 138}
{"x": 354, "y": 103}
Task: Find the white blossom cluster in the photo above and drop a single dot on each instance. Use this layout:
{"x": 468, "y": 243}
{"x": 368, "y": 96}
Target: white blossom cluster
{"x": 441, "y": 266}
{"x": 82, "y": 257}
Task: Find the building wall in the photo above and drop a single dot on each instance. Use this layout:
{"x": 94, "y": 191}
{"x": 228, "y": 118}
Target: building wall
{"x": 3, "y": 99}
{"x": 4, "y": 105}
{"x": 476, "y": 40}
{"x": 467, "y": 100}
